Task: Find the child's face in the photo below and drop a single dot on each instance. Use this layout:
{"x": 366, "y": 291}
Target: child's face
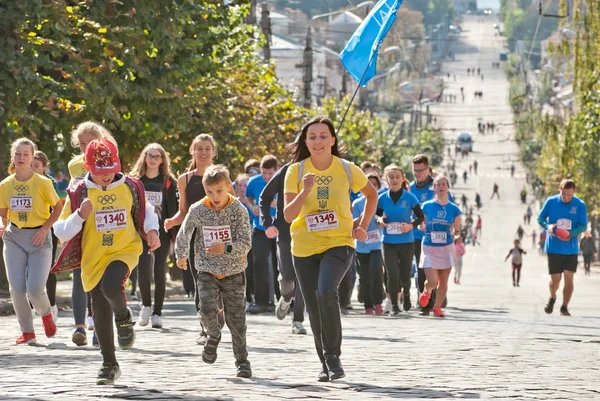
{"x": 38, "y": 166}
{"x": 268, "y": 173}
{"x": 241, "y": 187}
{"x": 218, "y": 194}
{"x": 84, "y": 139}
{"x": 104, "y": 180}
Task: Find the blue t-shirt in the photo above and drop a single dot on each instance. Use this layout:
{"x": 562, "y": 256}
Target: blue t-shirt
{"x": 399, "y": 212}
{"x": 374, "y": 232}
{"x": 255, "y": 187}
{"x": 438, "y": 222}
{"x": 567, "y": 216}
{"x": 423, "y": 195}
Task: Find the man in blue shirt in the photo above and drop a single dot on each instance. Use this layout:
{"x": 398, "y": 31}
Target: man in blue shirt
{"x": 263, "y": 247}
{"x": 564, "y": 217}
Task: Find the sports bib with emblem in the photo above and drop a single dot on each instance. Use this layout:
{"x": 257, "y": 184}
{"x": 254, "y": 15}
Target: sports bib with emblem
{"x": 216, "y": 235}
{"x": 111, "y": 219}
{"x": 21, "y": 203}
{"x": 565, "y": 224}
{"x": 321, "y": 221}
{"x": 394, "y": 228}
{"x": 155, "y": 198}
{"x": 438, "y": 237}
{"x": 373, "y": 236}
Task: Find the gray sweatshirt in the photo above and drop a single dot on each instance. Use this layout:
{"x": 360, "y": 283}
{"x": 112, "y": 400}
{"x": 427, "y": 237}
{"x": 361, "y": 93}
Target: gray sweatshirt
{"x": 230, "y": 225}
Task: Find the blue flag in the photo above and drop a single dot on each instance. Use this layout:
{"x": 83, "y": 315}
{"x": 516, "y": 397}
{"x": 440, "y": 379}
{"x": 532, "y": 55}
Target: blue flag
{"x": 359, "y": 57}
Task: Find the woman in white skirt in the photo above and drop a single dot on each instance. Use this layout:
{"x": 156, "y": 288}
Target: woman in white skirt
{"x": 442, "y": 217}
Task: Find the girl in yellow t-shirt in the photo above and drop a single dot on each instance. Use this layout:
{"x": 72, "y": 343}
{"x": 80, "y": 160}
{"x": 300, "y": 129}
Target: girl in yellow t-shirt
{"x": 25, "y": 202}
{"x": 80, "y": 137}
{"x": 317, "y": 204}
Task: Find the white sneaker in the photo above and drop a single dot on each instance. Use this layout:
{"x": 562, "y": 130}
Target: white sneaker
{"x": 298, "y": 328}
{"x": 144, "y": 315}
{"x": 90, "y": 323}
{"x": 281, "y": 309}
{"x": 54, "y": 313}
{"x": 156, "y": 322}
{"x": 201, "y": 340}
{"x": 388, "y": 307}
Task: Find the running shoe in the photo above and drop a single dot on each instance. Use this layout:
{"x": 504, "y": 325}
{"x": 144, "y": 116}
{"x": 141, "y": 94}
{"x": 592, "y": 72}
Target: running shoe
{"x": 108, "y": 373}
{"x": 201, "y": 340}
{"x": 378, "y": 309}
{"x": 437, "y": 312}
{"x": 369, "y": 311}
{"x": 395, "y": 310}
{"x": 282, "y": 307}
{"x": 388, "y": 307}
{"x": 90, "y": 323}
{"x": 79, "y": 337}
{"x": 156, "y": 322}
{"x": 425, "y": 312}
{"x": 298, "y": 328}
{"x": 334, "y": 366}
{"x": 445, "y": 303}
{"x": 244, "y": 369}
{"x": 125, "y": 332}
{"x": 550, "y": 305}
{"x": 256, "y": 309}
{"x": 49, "y": 325}
{"x": 406, "y": 302}
{"x": 424, "y": 299}
{"x": 564, "y": 311}
{"x": 209, "y": 354}
{"x": 323, "y": 374}
{"x": 144, "y": 317}
{"x": 54, "y": 312}
{"x": 27, "y": 338}
{"x": 134, "y": 296}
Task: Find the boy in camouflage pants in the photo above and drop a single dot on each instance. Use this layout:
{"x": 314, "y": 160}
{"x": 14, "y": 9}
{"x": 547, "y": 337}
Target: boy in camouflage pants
{"x": 222, "y": 242}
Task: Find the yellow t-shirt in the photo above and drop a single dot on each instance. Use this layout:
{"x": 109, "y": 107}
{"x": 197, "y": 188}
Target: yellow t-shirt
{"x": 330, "y": 192}
{"x": 76, "y": 170}
{"x": 28, "y": 202}
{"x": 108, "y": 233}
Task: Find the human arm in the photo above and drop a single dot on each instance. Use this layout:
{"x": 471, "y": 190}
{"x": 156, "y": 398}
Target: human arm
{"x": 184, "y": 236}
{"x": 582, "y": 221}
{"x": 267, "y": 196}
{"x": 543, "y": 218}
{"x": 4, "y": 220}
{"x": 293, "y": 201}
{"x": 178, "y": 218}
{"x": 151, "y": 227}
{"x": 370, "y": 194}
{"x": 69, "y": 224}
{"x": 40, "y": 235}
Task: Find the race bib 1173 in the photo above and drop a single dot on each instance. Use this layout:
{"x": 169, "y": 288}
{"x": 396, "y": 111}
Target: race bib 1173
{"x": 21, "y": 203}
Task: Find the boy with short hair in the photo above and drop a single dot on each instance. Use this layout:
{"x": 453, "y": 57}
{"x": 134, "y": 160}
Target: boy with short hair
{"x": 221, "y": 246}
{"x": 101, "y": 227}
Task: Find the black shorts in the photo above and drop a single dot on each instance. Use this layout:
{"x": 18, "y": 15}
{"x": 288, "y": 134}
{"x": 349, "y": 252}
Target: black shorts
{"x": 558, "y": 263}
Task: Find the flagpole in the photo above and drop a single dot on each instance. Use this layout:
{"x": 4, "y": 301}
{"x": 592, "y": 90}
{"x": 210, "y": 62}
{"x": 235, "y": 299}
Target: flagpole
{"x": 354, "y": 94}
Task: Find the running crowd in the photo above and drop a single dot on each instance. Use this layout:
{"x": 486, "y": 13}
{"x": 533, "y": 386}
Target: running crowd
{"x": 315, "y": 221}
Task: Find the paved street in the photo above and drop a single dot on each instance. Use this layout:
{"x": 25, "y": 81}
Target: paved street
{"x": 495, "y": 343}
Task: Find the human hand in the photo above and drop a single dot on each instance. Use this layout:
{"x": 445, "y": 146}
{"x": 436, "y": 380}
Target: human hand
{"x": 182, "y": 264}
{"x": 39, "y": 237}
{"x": 405, "y": 227}
{"x": 153, "y": 241}
{"x": 309, "y": 182}
{"x": 168, "y": 224}
{"x": 359, "y": 234}
{"x": 85, "y": 209}
{"x": 256, "y": 210}
{"x": 272, "y": 232}
{"x": 216, "y": 249}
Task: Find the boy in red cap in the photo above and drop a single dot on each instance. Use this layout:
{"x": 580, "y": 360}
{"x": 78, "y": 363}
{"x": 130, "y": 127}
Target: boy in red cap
{"x": 101, "y": 227}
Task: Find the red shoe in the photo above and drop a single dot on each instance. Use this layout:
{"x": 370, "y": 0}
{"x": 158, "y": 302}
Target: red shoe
{"x": 378, "y": 309}
{"x": 369, "y": 311}
{"x": 424, "y": 299}
{"x": 49, "y": 325}
{"x": 437, "y": 312}
{"x": 27, "y": 338}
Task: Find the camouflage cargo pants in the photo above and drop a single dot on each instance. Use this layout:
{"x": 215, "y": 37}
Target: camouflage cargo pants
{"x": 232, "y": 289}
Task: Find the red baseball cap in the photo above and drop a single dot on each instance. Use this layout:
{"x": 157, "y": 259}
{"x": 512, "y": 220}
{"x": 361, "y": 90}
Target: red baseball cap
{"x": 102, "y": 157}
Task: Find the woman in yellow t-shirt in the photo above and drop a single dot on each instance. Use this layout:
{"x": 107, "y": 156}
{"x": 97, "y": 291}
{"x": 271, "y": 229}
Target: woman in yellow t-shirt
{"x": 317, "y": 204}
{"x": 25, "y": 202}
{"x": 80, "y": 137}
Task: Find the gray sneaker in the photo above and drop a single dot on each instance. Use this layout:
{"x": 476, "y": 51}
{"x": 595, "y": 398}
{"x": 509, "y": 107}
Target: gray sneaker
{"x": 298, "y": 328}
{"x": 281, "y": 309}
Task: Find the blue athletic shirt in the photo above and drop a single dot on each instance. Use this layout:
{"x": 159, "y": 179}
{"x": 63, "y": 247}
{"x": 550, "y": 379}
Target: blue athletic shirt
{"x": 438, "y": 221}
{"x": 373, "y": 231}
{"x": 400, "y": 212}
{"x": 570, "y": 216}
{"x": 256, "y": 185}
{"x": 423, "y": 195}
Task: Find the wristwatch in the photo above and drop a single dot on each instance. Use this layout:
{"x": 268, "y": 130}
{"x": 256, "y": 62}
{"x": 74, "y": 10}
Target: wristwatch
{"x": 228, "y": 248}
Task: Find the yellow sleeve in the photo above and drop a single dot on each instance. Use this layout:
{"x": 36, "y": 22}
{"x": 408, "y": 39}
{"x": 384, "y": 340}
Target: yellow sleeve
{"x": 359, "y": 179}
{"x": 3, "y": 197}
{"x": 66, "y": 212}
{"x": 49, "y": 193}
{"x": 291, "y": 180}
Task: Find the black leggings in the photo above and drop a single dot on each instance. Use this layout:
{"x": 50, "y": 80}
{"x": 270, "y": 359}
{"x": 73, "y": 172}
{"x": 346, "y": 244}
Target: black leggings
{"x": 371, "y": 277}
{"x": 51, "y": 282}
{"x": 108, "y": 296}
{"x": 155, "y": 262}
{"x": 420, "y": 271}
{"x": 398, "y": 264}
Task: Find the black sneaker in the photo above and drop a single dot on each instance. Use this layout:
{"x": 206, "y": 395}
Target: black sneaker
{"x": 256, "y": 309}
{"x": 406, "y": 303}
{"x": 564, "y": 311}
{"x": 108, "y": 373}
{"x": 209, "y": 354}
{"x": 323, "y": 374}
{"x": 243, "y": 369}
{"x": 425, "y": 311}
{"x": 445, "y": 303}
{"x": 395, "y": 310}
{"x": 125, "y": 332}
{"x": 334, "y": 366}
{"x": 550, "y": 305}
